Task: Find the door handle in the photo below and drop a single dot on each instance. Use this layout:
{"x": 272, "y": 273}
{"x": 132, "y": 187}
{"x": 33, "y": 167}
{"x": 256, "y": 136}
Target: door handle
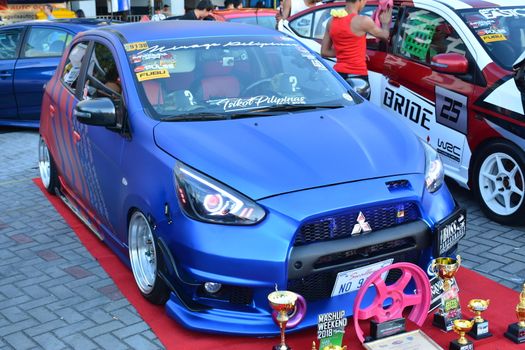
{"x": 393, "y": 83}
{"x": 76, "y": 137}
{"x": 5, "y": 75}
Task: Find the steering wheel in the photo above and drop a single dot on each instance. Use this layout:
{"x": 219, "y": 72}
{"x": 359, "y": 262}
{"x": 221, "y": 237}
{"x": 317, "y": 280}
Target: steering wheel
{"x": 395, "y": 293}
{"x": 257, "y": 83}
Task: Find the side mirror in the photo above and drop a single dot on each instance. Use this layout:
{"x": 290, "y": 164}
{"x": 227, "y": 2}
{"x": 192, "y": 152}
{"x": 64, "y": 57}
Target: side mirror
{"x": 451, "y": 63}
{"x": 98, "y": 111}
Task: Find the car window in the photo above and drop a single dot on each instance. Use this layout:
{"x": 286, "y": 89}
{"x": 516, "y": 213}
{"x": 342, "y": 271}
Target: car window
{"x": 45, "y": 42}
{"x": 225, "y": 76}
{"x": 321, "y": 18}
{"x": 73, "y": 63}
{"x": 302, "y": 26}
{"x": 9, "y": 40}
{"x": 501, "y": 31}
{"x": 102, "y": 79}
{"x": 424, "y": 34}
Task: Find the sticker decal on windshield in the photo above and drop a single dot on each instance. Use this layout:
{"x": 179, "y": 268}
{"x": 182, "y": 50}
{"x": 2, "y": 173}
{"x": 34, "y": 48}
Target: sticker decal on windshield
{"x": 348, "y": 97}
{"x": 497, "y": 12}
{"x": 490, "y": 38}
{"x": 139, "y": 45}
{"x": 236, "y": 104}
{"x": 153, "y": 74}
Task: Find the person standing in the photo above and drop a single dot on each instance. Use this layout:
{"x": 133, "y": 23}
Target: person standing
{"x": 228, "y": 5}
{"x": 80, "y": 13}
{"x": 48, "y": 10}
{"x": 291, "y": 7}
{"x": 158, "y": 16}
{"x": 345, "y": 39}
{"x": 202, "y": 11}
{"x": 166, "y": 11}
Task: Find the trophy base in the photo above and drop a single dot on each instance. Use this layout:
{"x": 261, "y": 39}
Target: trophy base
{"x": 480, "y": 330}
{"x": 454, "y": 345}
{"x": 442, "y": 322}
{"x": 281, "y": 347}
{"x": 379, "y": 330}
{"x": 515, "y": 333}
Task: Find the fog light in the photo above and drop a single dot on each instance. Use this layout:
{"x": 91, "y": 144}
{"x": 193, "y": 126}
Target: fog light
{"x": 212, "y": 287}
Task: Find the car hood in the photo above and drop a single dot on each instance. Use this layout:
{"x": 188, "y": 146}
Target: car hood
{"x": 267, "y": 156}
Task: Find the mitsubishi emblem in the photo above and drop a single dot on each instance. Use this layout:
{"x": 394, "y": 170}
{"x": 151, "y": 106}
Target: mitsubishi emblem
{"x": 362, "y": 226}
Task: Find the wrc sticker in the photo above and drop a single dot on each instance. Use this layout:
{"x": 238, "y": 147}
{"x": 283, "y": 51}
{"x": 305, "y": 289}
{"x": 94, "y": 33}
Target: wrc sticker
{"x": 489, "y": 38}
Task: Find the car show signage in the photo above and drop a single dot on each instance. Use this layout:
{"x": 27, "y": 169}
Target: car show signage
{"x": 331, "y": 328}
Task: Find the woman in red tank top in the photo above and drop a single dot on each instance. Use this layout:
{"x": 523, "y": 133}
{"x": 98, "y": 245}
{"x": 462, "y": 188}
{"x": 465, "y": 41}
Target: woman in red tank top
{"x": 345, "y": 38}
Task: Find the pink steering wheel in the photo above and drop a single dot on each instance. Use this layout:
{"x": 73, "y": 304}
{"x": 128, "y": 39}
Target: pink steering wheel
{"x": 395, "y": 292}
{"x": 298, "y": 313}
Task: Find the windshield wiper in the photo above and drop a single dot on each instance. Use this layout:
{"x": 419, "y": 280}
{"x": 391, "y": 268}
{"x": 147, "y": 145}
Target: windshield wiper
{"x": 195, "y": 116}
{"x": 281, "y": 108}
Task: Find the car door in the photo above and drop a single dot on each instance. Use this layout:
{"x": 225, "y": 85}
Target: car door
{"x": 40, "y": 55}
{"x": 100, "y": 148}
{"x": 433, "y": 104}
{"x": 10, "y": 39}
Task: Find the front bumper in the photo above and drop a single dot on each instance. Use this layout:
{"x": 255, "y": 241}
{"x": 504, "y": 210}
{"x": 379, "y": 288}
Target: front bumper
{"x": 257, "y": 258}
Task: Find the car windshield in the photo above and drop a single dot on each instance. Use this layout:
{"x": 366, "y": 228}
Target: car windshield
{"x": 220, "y": 78}
{"x": 501, "y": 30}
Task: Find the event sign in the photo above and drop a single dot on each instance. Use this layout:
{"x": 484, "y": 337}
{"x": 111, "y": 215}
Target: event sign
{"x": 331, "y": 328}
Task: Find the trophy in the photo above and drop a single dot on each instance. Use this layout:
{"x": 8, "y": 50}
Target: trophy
{"x": 284, "y": 302}
{"x": 450, "y": 309}
{"x": 516, "y": 331}
{"x": 330, "y": 347}
{"x": 481, "y": 326}
{"x": 461, "y": 327}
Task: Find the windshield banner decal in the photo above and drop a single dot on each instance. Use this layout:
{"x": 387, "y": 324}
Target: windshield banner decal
{"x": 233, "y": 104}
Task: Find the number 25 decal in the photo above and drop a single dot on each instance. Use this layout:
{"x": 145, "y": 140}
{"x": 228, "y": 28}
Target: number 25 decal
{"x": 451, "y": 109}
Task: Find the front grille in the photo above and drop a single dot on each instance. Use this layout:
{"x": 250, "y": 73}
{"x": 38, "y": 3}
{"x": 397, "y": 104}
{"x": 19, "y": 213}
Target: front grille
{"x": 372, "y": 251}
{"x": 340, "y": 226}
{"x": 319, "y": 285}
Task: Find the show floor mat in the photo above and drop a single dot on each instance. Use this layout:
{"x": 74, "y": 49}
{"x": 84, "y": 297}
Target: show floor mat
{"x": 500, "y": 313}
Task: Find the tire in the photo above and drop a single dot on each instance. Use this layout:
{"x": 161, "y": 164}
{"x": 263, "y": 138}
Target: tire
{"x": 47, "y": 167}
{"x": 498, "y": 182}
{"x": 146, "y": 260}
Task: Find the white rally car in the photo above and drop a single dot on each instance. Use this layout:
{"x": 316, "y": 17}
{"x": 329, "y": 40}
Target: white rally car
{"x": 453, "y": 72}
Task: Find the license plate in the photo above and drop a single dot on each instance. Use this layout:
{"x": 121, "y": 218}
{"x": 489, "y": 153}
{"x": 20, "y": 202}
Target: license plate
{"x": 450, "y": 231}
{"x": 352, "y": 280}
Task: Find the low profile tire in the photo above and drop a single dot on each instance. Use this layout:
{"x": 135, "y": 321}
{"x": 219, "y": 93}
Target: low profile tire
{"x": 146, "y": 260}
{"x": 47, "y": 167}
{"x": 499, "y": 174}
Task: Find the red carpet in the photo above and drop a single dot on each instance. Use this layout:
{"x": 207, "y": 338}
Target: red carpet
{"x": 503, "y": 301}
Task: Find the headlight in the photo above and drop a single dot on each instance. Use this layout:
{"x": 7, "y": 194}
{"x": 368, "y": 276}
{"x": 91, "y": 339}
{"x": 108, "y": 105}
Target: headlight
{"x": 434, "y": 174}
{"x": 205, "y": 199}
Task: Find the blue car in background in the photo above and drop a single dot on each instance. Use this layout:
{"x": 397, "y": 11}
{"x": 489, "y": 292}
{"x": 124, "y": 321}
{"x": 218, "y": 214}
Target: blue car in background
{"x": 219, "y": 160}
{"x": 29, "y": 54}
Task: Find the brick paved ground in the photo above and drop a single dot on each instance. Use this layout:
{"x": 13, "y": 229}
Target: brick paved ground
{"x": 54, "y": 295}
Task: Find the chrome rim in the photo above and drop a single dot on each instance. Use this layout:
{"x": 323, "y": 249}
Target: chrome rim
{"x": 44, "y": 163}
{"x": 501, "y": 184}
{"x": 142, "y": 252}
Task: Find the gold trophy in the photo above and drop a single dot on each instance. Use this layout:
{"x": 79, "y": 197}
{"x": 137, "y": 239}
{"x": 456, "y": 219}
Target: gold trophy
{"x": 450, "y": 309}
{"x": 283, "y": 302}
{"x": 516, "y": 331}
{"x": 481, "y": 326}
{"x": 461, "y": 327}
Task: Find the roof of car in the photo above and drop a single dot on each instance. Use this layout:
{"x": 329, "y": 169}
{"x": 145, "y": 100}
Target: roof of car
{"x": 158, "y": 30}
{"x": 74, "y": 24}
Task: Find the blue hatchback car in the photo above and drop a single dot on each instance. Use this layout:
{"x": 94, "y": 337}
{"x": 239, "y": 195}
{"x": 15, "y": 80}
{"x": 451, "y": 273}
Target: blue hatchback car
{"x": 219, "y": 160}
{"x": 29, "y": 54}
